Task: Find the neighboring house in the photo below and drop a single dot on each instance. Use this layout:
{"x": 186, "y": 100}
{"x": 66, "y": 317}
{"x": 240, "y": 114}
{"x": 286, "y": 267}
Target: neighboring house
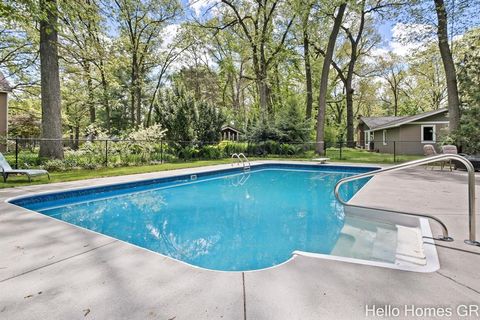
{"x": 231, "y": 133}
{"x": 409, "y": 133}
{"x": 5, "y": 89}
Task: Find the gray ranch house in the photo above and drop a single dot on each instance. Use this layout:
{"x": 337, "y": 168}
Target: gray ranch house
{"x": 406, "y": 135}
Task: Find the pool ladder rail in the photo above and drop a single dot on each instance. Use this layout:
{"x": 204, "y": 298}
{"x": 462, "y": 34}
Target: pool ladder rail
{"x": 240, "y": 158}
{"x": 471, "y": 193}
{"x": 242, "y": 180}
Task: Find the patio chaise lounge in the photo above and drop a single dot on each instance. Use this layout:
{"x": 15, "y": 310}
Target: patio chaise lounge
{"x": 7, "y": 170}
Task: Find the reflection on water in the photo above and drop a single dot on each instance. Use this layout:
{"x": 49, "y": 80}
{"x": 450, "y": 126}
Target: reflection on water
{"x": 239, "y": 222}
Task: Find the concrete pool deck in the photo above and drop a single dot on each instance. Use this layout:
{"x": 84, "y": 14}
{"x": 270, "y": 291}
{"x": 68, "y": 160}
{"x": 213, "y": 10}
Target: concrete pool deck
{"x": 53, "y": 270}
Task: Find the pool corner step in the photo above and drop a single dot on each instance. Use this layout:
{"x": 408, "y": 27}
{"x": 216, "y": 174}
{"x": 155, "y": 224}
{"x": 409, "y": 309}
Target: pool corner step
{"x": 385, "y": 240}
{"x": 410, "y": 246}
{"x": 362, "y": 240}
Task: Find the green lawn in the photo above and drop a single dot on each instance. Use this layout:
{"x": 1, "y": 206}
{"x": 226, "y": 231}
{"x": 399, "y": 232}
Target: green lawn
{"x": 18, "y": 181}
{"x": 348, "y": 155}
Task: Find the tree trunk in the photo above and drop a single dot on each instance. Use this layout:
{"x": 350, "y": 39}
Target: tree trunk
{"x": 138, "y": 100}
{"x": 349, "y": 97}
{"x": 133, "y": 75}
{"x": 322, "y": 97}
{"x": 395, "y": 102}
{"x": 91, "y": 103}
{"x": 77, "y": 137}
{"x": 308, "y": 72}
{"x": 50, "y": 83}
{"x": 106, "y": 100}
{"x": 263, "y": 92}
{"x": 349, "y": 91}
{"x": 448, "y": 65}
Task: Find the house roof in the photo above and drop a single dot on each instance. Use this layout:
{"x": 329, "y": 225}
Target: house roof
{"x": 231, "y": 128}
{"x": 4, "y": 85}
{"x": 404, "y": 120}
{"x": 374, "y": 122}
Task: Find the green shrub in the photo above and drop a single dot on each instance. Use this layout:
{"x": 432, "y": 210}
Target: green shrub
{"x": 54, "y": 165}
{"x": 230, "y": 147}
{"x": 187, "y": 153}
{"x": 289, "y": 149}
{"x": 210, "y": 152}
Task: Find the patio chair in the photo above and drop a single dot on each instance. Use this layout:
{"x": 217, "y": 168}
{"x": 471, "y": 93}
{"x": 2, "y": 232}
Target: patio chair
{"x": 429, "y": 151}
{"x": 449, "y": 149}
{"x": 7, "y": 170}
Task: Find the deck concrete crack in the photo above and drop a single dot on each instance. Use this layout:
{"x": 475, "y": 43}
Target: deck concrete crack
{"x": 457, "y": 282}
{"x": 58, "y": 261}
{"x": 244, "y": 297}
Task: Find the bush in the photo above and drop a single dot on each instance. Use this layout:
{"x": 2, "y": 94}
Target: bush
{"x": 187, "y": 153}
{"x": 210, "y": 152}
{"x": 289, "y": 149}
{"x": 230, "y": 147}
{"x": 55, "y": 165}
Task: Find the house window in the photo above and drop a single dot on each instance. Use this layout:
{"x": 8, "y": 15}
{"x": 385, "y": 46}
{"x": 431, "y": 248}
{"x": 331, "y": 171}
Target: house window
{"x": 384, "y": 137}
{"x": 428, "y": 133}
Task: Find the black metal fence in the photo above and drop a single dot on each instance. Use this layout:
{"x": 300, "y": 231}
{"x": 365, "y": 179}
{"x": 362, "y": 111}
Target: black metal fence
{"x": 95, "y": 153}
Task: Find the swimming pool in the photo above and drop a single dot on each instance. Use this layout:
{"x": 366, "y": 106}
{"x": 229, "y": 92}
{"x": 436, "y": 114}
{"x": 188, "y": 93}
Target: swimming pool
{"x": 228, "y": 220}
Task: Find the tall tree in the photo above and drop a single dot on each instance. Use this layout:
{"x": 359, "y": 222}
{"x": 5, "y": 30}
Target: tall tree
{"x": 358, "y": 45}
{"x": 142, "y": 22}
{"x": 52, "y": 147}
{"x": 392, "y": 71}
{"x": 305, "y": 19}
{"x": 322, "y": 97}
{"x": 448, "y": 65}
{"x": 256, "y": 25}
{"x": 81, "y": 19}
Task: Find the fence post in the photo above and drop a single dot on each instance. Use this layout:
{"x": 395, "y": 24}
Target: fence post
{"x": 106, "y": 153}
{"x": 394, "y": 152}
{"x": 341, "y": 144}
{"x": 16, "y": 153}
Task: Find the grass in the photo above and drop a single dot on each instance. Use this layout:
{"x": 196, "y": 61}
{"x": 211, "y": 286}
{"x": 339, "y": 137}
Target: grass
{"x": 81, "y": 174}
{"x": 348, "y": 155}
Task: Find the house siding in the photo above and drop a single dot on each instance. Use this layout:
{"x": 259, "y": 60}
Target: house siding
{"x": 408, "y": 136}
{"x": 393, "y": 134}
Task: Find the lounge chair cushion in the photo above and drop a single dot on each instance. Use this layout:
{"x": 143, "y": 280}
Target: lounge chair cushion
{"x": 31, "y": 172}
{"x": 4, "y": 164}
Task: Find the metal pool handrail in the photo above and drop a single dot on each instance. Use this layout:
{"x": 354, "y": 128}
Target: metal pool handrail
{"x": 241, "y": 159}
{"x": 246, "y": 162}
{"x": 235, "y": 155}
{"x": 410, "y": 164}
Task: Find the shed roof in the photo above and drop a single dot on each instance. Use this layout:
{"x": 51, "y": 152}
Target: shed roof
{"x": 231, "y": 128}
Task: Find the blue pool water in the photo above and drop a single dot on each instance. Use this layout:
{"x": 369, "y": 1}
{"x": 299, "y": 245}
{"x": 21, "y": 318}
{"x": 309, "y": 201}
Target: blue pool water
{"x": 227, "y": 220}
